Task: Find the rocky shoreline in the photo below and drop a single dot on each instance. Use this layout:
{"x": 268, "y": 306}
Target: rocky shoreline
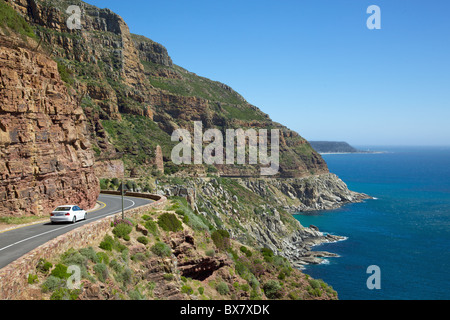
{"x": 273, "y": 201}
{"x": 299, "y": 249}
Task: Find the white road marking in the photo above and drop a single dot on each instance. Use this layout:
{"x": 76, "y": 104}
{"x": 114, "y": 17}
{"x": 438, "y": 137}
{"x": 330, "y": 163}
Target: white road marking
{"x": 68, "y": 226}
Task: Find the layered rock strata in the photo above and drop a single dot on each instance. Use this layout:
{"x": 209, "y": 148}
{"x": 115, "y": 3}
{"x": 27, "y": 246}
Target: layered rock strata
{"x": 45, "y": 154}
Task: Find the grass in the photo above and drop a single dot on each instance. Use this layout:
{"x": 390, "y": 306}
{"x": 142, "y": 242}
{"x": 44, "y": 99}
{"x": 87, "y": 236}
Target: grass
{"x": 10, "y": 19}
{"x": 233, "y": 106}
{"x": 137, "y": 137}
{"x": 20, "y": 220}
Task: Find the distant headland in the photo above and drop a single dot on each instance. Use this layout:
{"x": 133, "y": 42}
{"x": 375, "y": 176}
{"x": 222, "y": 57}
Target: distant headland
{"x": 328, "y": 147}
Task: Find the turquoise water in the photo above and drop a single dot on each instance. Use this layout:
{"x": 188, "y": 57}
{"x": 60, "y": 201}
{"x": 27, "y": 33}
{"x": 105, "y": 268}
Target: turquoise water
{"x": 405, "y": 231}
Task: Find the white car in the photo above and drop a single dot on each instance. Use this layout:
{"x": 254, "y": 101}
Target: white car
{"x": 69, "y": 213}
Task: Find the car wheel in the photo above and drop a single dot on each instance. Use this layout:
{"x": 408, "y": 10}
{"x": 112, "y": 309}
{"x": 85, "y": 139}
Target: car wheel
{"x": 85, "y": 216}
{"x": 74, "y": 219}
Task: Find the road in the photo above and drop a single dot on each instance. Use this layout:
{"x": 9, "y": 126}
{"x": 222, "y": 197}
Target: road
{"x": 15, "y": 243}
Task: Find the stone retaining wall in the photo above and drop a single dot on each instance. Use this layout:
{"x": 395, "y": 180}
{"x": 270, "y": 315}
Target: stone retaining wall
{"x": 14, "y": 277}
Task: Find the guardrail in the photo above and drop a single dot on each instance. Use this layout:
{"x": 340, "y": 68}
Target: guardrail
{"x": 14, "y": 277}
{"x": 134, "y": 194}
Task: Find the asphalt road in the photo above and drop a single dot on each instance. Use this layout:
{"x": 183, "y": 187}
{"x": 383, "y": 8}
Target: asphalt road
{"x": 15, "y": 243}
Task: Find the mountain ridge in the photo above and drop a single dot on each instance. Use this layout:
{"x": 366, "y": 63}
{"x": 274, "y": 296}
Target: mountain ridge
{"x": 119, "y": 75}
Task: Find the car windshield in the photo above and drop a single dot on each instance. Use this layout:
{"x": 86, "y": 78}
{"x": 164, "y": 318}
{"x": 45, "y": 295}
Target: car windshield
{"x": 62, "y": 209}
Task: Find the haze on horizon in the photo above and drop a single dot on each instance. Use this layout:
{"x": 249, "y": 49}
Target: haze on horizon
{"x": 313, "y": 65}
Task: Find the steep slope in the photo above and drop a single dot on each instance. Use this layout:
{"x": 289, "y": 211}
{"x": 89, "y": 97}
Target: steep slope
{"x": 127, "y": 84}
{"x": 46, "y": 158}
{"x": 332, "y": 147}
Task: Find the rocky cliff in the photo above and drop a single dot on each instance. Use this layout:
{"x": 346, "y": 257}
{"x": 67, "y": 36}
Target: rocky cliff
{"x": 258, "y": 211}
{"x": 133, "y": 96}
{"x": 127, "y": 83}
{"x": 46, "y": 157}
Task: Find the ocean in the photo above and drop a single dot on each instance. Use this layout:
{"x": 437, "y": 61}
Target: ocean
{"x": 405, "y": 231}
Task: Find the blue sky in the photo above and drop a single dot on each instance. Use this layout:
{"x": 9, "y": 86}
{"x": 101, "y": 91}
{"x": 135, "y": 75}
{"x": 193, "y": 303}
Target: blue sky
{"x": 313, "y": 65}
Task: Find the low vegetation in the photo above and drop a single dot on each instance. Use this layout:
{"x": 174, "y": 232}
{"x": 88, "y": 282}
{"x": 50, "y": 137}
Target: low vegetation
{"x": 10, "y": 20}
{"x": 120, "y": 260}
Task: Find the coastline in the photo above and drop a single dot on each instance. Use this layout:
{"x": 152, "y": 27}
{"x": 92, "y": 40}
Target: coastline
{"x": 300, "y": 250}
{"x": 360, "y": 152}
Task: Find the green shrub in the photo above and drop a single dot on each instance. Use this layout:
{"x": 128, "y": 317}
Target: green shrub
{"x": 267, "y": 254}
{"x": 124, "y": 276}
{"x": 240, "y": 268}
{"x": 90, "y": 254}
{"x": 222, "y": 288}
{"x": 136, "y": 295}
{"x": 282, "y": 262}
{"x": 210, "y": 253}
{"x": 161, "y": 249}
{"x": 152, "y": 227}
{"x": 314, "y": 292}
{"x": 245, "y": 287}
{"x": 255, "y": 295}
{"x": 116, "y": 266}
{"x": 272, "y": 289}
{"x": 52, "y": 283}
{"x": 187, "y": 289}
{"x": 168, "y": 276}
{"x": 142, "y": 239}
{"x": 247, "y": 252}
{"x": 180, "y": 212}
{"x": 101, "y": 270}
{"x": 102, "y": 257}
{"x": 253, "y": 282}
{"x": 44, "y": 266}
{"x": 107, "y": 244}
{"x": 315, "y": 284}
{"x": 169, "y": 222}
{"x": 201, "y": 290}
{"x": 293, "y": 296}
{"x": 66, "y": 75}
{"x": 221, "y": 239}
{"x": 65, "y": 294}
{"x": 72, "y": 256}
{"x": 122, "y": 230}
{"x": 60, "y": 271}
{"x": 32, "y": 278}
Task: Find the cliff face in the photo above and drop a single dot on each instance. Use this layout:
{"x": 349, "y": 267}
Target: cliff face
{"x": 119, "y": 76}
{"x": 45, "y": 154}
{"x": 258, "y": 211}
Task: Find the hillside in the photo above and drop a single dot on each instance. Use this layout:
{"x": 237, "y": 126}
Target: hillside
{"x": 163, "y": 256}
{"x": 332, "y": 147}
{"x": 82, "y": 110}
{"x": 134, "y": 96}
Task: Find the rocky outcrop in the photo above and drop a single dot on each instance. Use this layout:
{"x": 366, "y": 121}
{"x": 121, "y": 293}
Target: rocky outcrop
{"x": 116, "y": 73}
{"x": 151, "y": 51}
{"x": 258, "y": 212}
{"x": 190, "y": 263}
{"x": 319, "y": 192}
{"x": 109, "y": 169}
{"x": 45, "y": 154}
{"x": 159, "y": 161}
